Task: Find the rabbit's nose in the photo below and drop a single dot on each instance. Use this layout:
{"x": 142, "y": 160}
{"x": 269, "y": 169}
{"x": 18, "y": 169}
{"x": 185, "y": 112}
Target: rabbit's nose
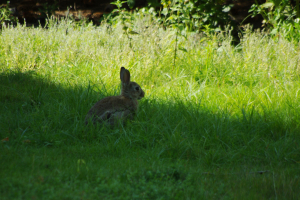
{"x": 142, "y": 94}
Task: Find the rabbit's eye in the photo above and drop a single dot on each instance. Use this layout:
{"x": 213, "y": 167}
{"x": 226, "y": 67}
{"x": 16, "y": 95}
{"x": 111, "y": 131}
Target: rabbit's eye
{"x": 137, "y": 88}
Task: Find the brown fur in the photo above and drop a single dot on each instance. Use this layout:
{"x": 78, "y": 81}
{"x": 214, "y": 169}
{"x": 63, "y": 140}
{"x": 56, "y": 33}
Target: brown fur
{"x": 117, "y": 108}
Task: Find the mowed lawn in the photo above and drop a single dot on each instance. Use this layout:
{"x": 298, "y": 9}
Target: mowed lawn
{"x": 217, "y": 121}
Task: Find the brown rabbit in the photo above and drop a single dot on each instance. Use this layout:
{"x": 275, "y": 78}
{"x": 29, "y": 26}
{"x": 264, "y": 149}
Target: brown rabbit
{"x": 117, "y": 108}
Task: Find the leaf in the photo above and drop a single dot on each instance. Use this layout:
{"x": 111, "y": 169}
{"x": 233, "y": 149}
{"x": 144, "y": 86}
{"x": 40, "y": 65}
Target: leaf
{"x": 130, "y": 3}
{"x": 267, "y": 5}
{"x": 169, "y": 51}
{"x": 253, "y": 8}
{"x": 132, "y": 32}
{"x": 165, "y": 11}
{"x": 115, "y": 11}
{"x": 180, "y": 27}
{"x": 196, "y": 16}
{"x": 226, "y": 8}
{"x": 170, "y": 18}
{"x": 182, "y": 49}
{"x": 274, "y": 31}
{"x": 217, "y": 30}
{"x": 174, "y": 26}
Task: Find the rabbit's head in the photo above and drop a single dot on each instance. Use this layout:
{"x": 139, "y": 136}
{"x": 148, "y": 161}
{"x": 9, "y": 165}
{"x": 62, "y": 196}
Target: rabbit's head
{"x": 131, "y": 90}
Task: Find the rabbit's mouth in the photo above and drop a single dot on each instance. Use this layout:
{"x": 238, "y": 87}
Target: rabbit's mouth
{"x": 141, "y": 95}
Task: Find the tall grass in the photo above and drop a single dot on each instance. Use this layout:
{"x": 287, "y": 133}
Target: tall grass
{"x": 222, "y": 123}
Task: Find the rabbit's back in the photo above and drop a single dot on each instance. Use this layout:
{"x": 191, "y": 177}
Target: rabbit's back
{"x": 111, "y": 108}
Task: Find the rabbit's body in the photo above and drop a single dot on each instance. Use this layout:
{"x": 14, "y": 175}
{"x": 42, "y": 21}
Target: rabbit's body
{"x": 111, "y": 109}
{"x": 117, "y": 108}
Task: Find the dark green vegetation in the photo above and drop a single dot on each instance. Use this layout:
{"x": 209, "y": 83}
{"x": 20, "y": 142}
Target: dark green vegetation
{"x": 221, "y": 122}
{"x": 279, "y": 17}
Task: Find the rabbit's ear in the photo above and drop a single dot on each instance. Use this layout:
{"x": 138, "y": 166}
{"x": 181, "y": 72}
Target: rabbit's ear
{"x": 124, "y": 75}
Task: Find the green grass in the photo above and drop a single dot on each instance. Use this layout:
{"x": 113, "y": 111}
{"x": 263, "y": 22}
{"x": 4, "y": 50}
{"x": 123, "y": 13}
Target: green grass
{"x": 223, "y": 123}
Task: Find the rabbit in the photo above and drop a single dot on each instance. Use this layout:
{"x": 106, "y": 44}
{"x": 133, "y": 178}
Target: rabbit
{"x": 115, "y": 109}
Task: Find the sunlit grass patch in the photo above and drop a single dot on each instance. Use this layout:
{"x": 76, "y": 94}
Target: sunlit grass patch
{"x": 209, "y": 120}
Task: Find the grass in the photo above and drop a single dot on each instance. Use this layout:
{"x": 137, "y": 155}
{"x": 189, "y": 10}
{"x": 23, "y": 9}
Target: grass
{"x": 223, "y": 123}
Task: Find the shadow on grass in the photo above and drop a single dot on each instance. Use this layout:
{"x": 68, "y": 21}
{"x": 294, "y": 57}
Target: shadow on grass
{"x": 192, "y": 132}
{"x": 154, "y": 149}
{"x": 38, "y": 111}
{"x": 34, "y": 108}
